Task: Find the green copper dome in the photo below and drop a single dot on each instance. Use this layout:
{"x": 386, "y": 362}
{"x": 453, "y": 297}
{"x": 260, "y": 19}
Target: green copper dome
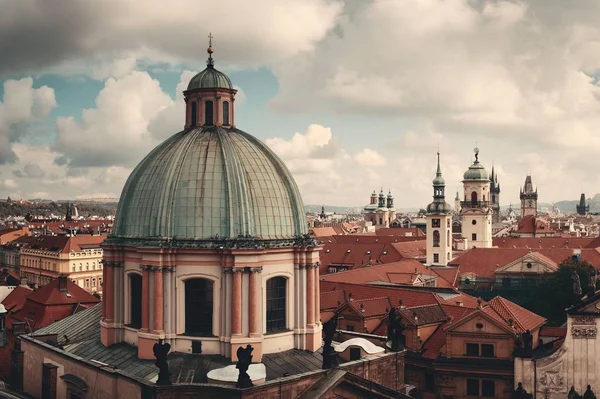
{"x": 210, "y": 183}
{"x": 210, "y": 78}
{"x": 476, "y": 171}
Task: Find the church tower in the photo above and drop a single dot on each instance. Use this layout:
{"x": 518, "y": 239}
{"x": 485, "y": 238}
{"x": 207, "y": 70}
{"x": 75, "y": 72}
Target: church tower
{"x": 382, "y": 213}
{"x": 495, "y": 196}
{"x": 439, "y": 223}
{"x": 476, "y": 213}
{"x": 529, "y": 198}
{"x": 457, "y": 204}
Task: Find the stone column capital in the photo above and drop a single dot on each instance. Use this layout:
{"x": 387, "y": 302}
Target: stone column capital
{"x": 313, "y": 265}
{"x": 227, "y": 270}
{"x": 168, "y": 269}
{"x": 237, "y": 270}
{"x": 146, "y": 268}
{"x": 255, "y": 269}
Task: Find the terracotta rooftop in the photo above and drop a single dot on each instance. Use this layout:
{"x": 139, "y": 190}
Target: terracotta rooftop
{"x": 532, "y": 224}
{"x": 65, "y": 244}
{"x": 50, "y": 294}
{"x": 371, "y": 307}
{"x": 356, "y": 255}
{"x": 449, "y": 274}
{"x": 16, "y": 299}
{"x": 408, "y": 297}
{"x": 401, "y": 272}
{"x": 400, "y": 232}
{"x": 555, "y": 332}
{"x": 434, "y": 345}
{"x": 523, "y": 318}
{"x": 545, "y": 242}
{"x": 483, "y": 262}
{"x": 332, "y": 299}
{"x": 423, "y": 315}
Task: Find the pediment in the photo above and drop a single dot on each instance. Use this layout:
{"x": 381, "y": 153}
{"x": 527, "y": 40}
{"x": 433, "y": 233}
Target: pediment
{"x": 531, "y": 263}
{"x": 479, "y": 323}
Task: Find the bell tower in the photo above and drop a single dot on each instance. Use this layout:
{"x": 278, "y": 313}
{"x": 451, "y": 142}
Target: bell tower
{"x": 476, "y": 212}
{"x": 439, "y": 223}
{"x": 529, "y": 198}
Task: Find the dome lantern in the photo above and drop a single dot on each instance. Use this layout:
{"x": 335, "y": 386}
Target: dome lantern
{"x": 210, "y": 96}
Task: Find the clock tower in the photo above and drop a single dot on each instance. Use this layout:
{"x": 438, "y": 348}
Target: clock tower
{"x": 529, "y": 198}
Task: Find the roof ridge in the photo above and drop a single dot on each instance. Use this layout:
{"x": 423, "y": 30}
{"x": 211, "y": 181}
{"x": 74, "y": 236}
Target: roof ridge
{"x": 514, "y": 318}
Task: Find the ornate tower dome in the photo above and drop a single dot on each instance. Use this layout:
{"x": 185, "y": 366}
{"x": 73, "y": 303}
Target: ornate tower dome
{"x": 476, "y": 172}
{"x": 209, "y": 237}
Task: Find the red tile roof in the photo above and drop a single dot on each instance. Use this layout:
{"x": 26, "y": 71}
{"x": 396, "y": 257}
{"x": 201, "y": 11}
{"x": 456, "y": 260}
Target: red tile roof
{"x": 408, "y": 297}
{"x": 50, "y": 294}
{"x": 16, "y": 299}
{"x": 449, "y": 274}
{"x": 546, "y": 331}
{"x": 400, "y": 232}
{"x": 356, "y": 254}
{"x": 423, "y": 315}
{"x": 48, "y": 304}
{"x": 332, "y": 299}
{"x": 434, "y": 345}
{"x": 544, "y": 242}
{"x": 523, "y": 318}
{"x": 371, "y": 307}
{"x": 411, "y": 249}
{"x": 401, "y": 272}
{"x": 467, "y": 301}
{"x": 483, "y": 262}
{"x": 531, "y": 224}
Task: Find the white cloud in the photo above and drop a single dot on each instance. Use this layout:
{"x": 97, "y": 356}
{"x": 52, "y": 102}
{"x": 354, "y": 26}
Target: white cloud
{"x": 116, "y": 131}
{"x": 257, "y": 32}
{"x": 369, "y": 158}
{"x": 114, "y": 69}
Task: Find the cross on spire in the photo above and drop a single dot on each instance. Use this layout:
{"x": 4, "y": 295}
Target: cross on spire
{"x": 210, "y": 50}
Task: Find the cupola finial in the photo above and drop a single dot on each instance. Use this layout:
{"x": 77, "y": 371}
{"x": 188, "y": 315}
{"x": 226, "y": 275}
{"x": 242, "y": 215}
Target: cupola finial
{"x": 210, "y": 50}
{"x": 476, "y": 153}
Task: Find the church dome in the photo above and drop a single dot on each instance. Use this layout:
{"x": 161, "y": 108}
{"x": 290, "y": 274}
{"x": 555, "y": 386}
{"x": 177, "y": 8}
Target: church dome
{"x": 210, "y": 78}
{"x": 476, "y": 171}
{"x": 439, "y": 208}
{"x": 211, "y": 182}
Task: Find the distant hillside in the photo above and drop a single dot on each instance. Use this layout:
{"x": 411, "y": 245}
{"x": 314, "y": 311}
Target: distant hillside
{"x": 49, "y": 208}
{"x": 569, "y": 206}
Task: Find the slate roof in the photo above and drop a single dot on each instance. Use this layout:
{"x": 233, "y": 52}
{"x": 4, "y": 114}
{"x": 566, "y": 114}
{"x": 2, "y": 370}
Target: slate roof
{"x": 83, "y": 330}
{"x": 76, "y": 328}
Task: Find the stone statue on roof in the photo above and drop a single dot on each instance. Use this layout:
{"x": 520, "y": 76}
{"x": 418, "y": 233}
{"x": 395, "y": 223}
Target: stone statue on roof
{"x": 520, "y": 393}
{"x": 161, "y": 350}
{"x": 589, "y": 394}
{"x": 576, "y": 285}
{"x": 395, "y": 331}
{"x": 330, "y": 359}
{"x": 244, "y": 356}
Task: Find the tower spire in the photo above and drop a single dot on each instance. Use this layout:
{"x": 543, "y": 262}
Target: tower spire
{"x": 439, "y": 170}
{"x": 210, "y": 62}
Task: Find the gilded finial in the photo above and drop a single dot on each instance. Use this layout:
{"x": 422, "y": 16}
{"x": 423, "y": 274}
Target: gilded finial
{"x": 476, "y": 153}
{"x": 210, "y": 50}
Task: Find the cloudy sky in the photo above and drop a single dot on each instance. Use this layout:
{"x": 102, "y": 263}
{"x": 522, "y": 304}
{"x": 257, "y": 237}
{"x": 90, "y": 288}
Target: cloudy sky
{"x": 354, "y": 95}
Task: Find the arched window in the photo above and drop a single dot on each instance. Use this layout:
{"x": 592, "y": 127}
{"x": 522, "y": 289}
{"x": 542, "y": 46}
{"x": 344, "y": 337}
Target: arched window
{"x": 199, "y": 307}
{"x": 436, "y": 238}
{"x": 276, "y": 304}
{"x": 194, "y": 114}
{"x": 135, "y": 301}
{"x": 226, "y": 112}
{"x": 474, "y": 197}
{"x": 208, "y": 113}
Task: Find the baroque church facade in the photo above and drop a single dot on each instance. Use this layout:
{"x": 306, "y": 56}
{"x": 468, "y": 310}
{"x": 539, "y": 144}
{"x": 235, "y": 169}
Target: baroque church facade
{"x": 380, "y": 211}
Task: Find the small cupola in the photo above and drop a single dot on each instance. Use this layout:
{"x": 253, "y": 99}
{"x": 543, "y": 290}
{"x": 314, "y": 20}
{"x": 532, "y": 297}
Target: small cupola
{"x": 209, "y": 97}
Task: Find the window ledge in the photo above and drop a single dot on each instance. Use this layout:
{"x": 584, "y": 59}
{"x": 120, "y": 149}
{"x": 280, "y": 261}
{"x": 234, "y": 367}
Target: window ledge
{"x": 279, "y": 333}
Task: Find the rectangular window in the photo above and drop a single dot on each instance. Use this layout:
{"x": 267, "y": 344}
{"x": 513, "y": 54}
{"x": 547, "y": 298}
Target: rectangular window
{"x": 487, "y": 388}
{"x": 472, "y": 349}
{"x": 435, "y": 222}
{"x": 350, "y": 327}
{"x": 472, "y": 387}
{"x": 87, "y": 283}
{"x": 473, "y": 237}
{"x": 436, "y": 258}
{"x": 487, "y": 350}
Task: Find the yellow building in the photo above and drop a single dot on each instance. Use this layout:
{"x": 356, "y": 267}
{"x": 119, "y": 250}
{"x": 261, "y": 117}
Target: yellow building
{"x": 79, "y": 257}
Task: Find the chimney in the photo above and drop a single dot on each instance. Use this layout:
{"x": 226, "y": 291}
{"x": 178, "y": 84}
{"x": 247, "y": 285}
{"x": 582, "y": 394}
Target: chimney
{"x": 62, "y": 283}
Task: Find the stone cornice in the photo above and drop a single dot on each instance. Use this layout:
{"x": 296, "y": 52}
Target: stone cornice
{"x": 241, "y": 242}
